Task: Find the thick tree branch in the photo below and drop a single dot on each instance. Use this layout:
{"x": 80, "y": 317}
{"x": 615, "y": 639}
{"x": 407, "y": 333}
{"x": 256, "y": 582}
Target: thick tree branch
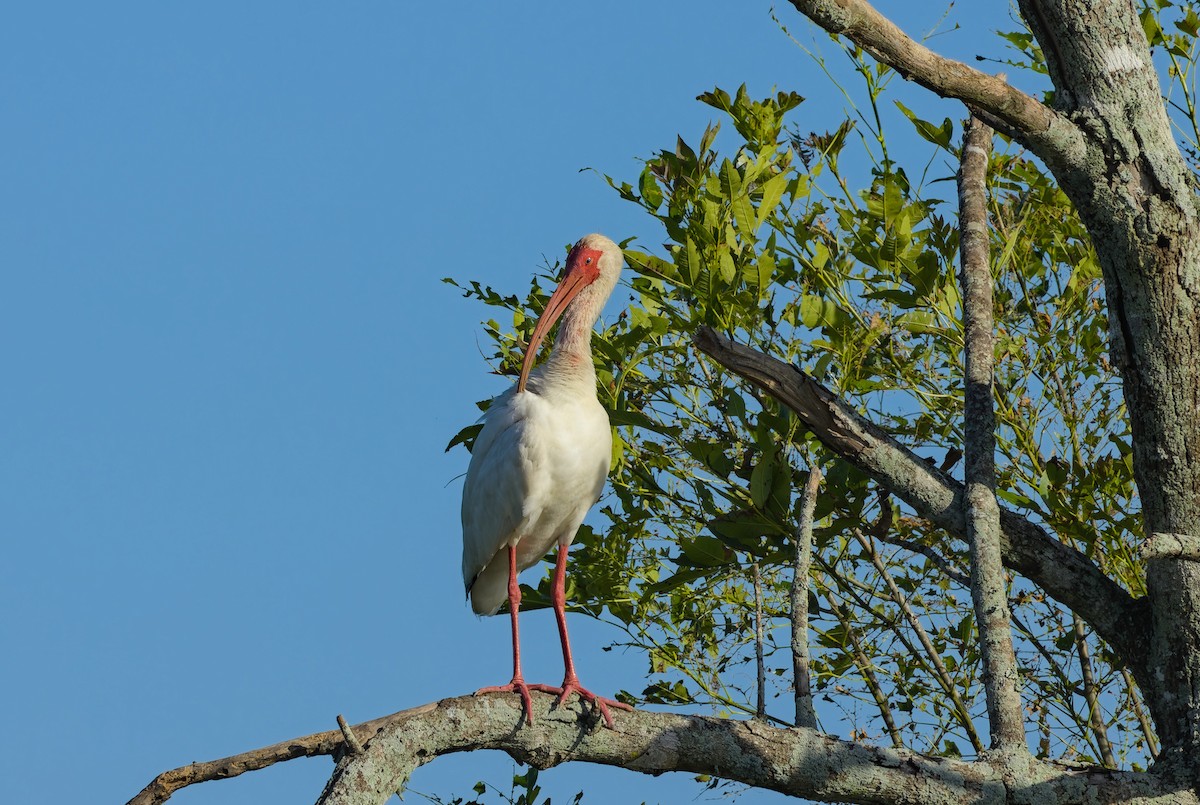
{"x": 799, "y": 762}
{"x": 1049, "y": 135}
{"x": 1063, "y": 572}
{"x": 989, "y": 586}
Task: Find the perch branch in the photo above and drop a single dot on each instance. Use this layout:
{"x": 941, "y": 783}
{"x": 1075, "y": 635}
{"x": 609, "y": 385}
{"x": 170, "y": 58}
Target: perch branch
{"x": 796, "y": 761}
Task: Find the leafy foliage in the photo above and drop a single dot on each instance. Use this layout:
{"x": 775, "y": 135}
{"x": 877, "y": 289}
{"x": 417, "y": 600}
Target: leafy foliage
{"x": 767, "y": 241}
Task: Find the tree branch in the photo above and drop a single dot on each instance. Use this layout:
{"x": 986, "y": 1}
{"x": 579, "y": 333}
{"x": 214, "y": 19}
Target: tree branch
{"x": 1063, "y": 572}
{"x": 989, "y": 585}
{"x": 331, "y": 742}
{"x": 806, "y": 716}
{"x": 799, "y": 762}
{"x": 1091, "y": 694}
{"x": 1048, "y": 134}
{"x": 795, "y": 761}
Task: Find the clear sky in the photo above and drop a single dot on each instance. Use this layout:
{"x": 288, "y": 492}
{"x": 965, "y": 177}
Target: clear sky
{"x": 230, "y": 367}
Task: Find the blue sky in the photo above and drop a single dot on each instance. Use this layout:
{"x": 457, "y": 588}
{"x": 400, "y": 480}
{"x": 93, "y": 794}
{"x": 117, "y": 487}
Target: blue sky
{"x": 230, "y": 367}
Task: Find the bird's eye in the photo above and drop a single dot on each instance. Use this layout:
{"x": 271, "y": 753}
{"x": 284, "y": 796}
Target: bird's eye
{"x": 588, "y": 261}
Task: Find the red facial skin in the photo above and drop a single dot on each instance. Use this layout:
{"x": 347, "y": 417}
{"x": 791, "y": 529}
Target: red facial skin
{"x": 583, "y": 267}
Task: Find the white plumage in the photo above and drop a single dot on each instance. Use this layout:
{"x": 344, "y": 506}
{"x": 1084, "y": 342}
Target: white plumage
{"x": 538, "y": 465}
{"x": 540, "y": 461}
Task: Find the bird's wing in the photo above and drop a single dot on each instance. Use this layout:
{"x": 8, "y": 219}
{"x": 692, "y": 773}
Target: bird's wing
{"x": 497, "y": 485}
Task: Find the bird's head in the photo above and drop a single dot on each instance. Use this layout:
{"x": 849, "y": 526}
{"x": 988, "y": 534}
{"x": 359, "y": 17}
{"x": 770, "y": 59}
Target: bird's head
{"x": 593, "y": 267}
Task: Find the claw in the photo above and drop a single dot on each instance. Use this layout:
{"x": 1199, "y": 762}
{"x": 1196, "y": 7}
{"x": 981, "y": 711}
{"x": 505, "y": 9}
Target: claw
{"x": 516, "y": 686}
{"x": 571, "y": 685}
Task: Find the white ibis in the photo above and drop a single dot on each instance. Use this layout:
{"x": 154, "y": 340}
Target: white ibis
{"x": 540, "y": 462}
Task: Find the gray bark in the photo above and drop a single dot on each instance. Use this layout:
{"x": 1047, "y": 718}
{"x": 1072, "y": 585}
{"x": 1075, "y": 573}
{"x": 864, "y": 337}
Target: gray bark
{"x": 1133, "y": 191}
{"x": 796, "y": 761}
{"x": 989, "y": 585}
{"x": 806, "y": 716}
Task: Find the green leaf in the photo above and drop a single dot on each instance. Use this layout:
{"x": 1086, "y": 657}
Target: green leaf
{"x": 649, "y": 265}
{"x": 1190, "y": 24}
{"x": 938, "y": 135}
{"x": 766, "y": 269}
{"x": 705, "y": 551}
{"x": 684, "y": 576}
{"x": 648, "y": 186}
{"x": 1151, "y": 27}
{"x": 920, "y": 322}
{"x": 817, "y": 311}
{"x": 728, "y": 268}
{"x": 743, "y": 529}
{"x": 639, "y": 420}
{"x": 694, "y": 268}
{"x": 772, "y": 194}
{"x": 466, "y": 437}
{"x": 761, "y": 480}
{"x": 731, "y": 185}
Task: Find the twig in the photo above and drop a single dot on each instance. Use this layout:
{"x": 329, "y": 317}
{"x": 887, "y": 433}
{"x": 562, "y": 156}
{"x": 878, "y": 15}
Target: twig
{"x": 806, "y": 715}
{"x": 1140, "y": 712}
{"x": 1091, "y": 694}
{"x": 981, "y": 510}
{"x": 351, "y": 739}
{"x": 864, "y": 664}
{"x": 940, "y": 672}
{"x": 942, "y": 562}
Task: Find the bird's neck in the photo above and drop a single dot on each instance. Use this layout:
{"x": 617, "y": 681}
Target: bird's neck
{"x": 571, "y": 358}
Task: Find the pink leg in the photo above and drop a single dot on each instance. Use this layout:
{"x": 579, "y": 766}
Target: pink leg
{"x": 514, "y": 607}
{"x": 570, "y": 680}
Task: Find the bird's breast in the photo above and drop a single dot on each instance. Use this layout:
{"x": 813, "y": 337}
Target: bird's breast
{"x": 569, "y": 441}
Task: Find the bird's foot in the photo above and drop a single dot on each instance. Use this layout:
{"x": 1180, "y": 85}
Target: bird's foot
{"x": 516, "y": 686}
{"x": 571, "y": 685}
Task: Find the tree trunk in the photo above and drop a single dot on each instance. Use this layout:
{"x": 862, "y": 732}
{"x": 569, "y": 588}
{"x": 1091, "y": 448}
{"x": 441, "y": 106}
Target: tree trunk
{"x": 1133, "y": 191}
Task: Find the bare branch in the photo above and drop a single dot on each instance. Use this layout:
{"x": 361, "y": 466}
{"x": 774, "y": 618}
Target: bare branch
{"x": 867, "y": 669}
{"x": 800, "y": 762}
{"x": 806, "y": 716}
{"x": 1048, "y": 134}
{"x": 1140, "y": 712}
{"x": 760, "y": 706}
{"x": 989, "y": 584}
{"x": 950, "y": 571}
{"x": 352, "y": 741}
{"x": 1091, "y": 694}
{"x": 331, "y": 742}
{"x": 1063, "y": 572}
{"x": 796, "y": 761}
